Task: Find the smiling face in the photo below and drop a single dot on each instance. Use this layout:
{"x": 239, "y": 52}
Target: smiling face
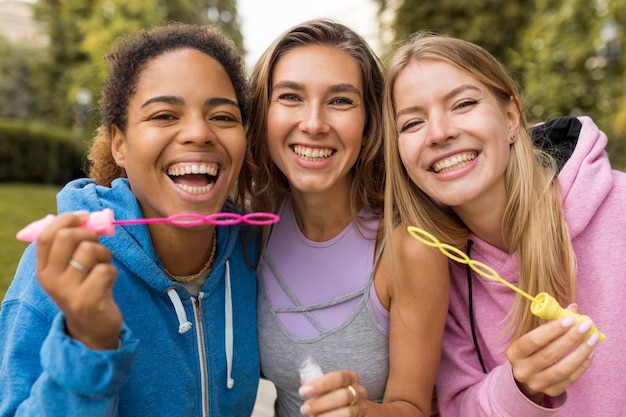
{"x": 316, "y": 118}
{"x": 454, "y": 135}
{"x": 184, "y": 143}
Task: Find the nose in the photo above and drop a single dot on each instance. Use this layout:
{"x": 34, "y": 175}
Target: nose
{"x": 314, "y": 120}
{"x": 198, "y": 130}
{"x": 441, "y": 128}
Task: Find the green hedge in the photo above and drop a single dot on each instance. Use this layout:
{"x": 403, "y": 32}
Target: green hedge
{"x": 36, "y": 153}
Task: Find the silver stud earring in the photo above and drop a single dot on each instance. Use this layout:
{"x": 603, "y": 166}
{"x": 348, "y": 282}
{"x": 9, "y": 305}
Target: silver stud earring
{"x": 513, "y": 136}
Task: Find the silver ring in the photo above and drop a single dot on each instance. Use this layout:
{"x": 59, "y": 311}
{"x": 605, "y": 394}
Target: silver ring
{"x": 79, "y": 266}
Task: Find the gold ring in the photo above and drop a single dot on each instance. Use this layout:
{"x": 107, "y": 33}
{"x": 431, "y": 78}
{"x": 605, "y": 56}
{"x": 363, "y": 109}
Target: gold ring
{"x": 79, "y": 266}
{"x": 355, "y": 399}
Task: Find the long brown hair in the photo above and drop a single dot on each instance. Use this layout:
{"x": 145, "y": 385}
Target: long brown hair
{"x": 267, "y": 184}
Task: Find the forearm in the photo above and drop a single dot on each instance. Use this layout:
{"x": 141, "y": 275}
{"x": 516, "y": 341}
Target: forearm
{"x": 396, "y": 409}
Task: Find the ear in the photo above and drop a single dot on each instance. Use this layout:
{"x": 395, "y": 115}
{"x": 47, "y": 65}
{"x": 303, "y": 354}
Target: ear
{"x": 513, "y": 117}
{"x": 118, "y": 146}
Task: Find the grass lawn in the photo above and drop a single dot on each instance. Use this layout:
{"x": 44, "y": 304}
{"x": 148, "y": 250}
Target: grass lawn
{"x": 20, "y": 204}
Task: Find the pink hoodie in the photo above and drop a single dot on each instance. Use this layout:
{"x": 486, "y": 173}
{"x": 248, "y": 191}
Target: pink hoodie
{"x": 594, "y": 198}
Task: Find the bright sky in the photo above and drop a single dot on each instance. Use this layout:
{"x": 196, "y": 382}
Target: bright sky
{"x": 263, "y": 20}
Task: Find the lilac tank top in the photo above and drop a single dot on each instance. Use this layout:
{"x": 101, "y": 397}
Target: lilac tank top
{"x": 318, "y": 299}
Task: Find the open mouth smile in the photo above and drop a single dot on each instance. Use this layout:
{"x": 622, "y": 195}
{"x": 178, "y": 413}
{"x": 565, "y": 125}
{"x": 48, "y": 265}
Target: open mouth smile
{"x": 312, "y": 154}
{"x": 453, "y": 162}
{"x": 194, "y": 178}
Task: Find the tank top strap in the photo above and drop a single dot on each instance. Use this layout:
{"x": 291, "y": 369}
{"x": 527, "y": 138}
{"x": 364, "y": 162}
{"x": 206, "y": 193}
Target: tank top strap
{"x": 376, "y": 260}
{"x": 299, "y": 307}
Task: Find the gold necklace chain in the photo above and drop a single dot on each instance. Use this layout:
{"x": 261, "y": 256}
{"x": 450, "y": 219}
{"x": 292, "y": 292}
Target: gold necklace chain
{"x": 205, "y": 268}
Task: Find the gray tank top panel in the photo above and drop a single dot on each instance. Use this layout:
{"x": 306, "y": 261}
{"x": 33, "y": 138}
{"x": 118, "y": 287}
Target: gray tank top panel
{"x": 359, "y": 344}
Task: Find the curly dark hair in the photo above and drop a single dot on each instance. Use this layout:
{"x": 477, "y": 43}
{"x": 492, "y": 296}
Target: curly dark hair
{"x": 127, "y": 61}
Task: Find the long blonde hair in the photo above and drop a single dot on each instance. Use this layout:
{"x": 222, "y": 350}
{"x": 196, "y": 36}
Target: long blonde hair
{"x": 533, "y": 222}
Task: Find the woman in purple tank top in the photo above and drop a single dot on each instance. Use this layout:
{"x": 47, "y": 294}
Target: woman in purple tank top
{"x": 315, "y": 134}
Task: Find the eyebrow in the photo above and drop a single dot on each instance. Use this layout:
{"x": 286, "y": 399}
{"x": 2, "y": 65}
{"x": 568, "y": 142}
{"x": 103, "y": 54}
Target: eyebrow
{"x": 449, "y": 95}
{"x": 337, "y": 88}
{"x": 175, "y": 100}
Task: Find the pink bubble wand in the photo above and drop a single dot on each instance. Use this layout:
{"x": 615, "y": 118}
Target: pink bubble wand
{"x": 103, "y": 223}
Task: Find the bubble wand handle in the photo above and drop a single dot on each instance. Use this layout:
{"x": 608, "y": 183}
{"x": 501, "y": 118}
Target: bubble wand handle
{"x": 309, "y": 370}
{"x": 543, "y": 305}
{"x": 546, "y": 307}
{"x": 103, "y": 223}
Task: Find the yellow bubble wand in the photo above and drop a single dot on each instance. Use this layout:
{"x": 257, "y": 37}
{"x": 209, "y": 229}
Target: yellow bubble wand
{"x": 543, "y": 305}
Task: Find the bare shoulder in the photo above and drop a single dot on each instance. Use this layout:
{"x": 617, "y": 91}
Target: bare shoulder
{"x": 415, "y": 264}
{"x": 411, "y": 251}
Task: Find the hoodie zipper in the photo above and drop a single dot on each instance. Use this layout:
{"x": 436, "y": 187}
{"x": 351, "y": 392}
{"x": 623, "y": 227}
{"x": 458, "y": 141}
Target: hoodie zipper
{"x": 197, "y": 310}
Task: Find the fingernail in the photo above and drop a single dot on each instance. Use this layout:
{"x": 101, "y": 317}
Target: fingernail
{"x": 593, "y": 339}
{"x": 568, "y": 321}
{"x": 591, "y": 355}
{"x": 585, "y": 326}
{"x": 305, "y": 391}
{"x": 305, "y": 409}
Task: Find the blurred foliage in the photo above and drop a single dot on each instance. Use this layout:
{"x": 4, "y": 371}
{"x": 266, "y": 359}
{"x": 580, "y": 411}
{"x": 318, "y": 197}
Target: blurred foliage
{"x": 37, "y": 153}
{"x": 17, "y": 89}
{"x": 561, "y": 53}
{"x": 63, "y": 81}
{"x": 494, "y": 24}
{"x": 567, "y": 56}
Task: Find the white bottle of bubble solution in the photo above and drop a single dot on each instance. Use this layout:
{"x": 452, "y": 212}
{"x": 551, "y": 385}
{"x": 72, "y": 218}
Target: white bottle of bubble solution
{"x": 309, "y": 369}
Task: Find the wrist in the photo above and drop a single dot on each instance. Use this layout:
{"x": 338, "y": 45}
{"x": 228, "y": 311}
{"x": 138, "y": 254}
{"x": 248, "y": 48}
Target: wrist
{"x": 535, "y": 396}
{"x": 93, "y": 343}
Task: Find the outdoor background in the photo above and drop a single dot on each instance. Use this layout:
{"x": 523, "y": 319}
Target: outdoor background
{"x": 566, "y": 55}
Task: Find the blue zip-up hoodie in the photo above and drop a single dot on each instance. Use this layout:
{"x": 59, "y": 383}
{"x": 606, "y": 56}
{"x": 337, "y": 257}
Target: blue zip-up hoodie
{"x": 179, "y": 355}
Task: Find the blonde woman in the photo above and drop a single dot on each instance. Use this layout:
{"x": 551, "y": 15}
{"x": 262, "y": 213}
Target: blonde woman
{"x": 460, "y": 163}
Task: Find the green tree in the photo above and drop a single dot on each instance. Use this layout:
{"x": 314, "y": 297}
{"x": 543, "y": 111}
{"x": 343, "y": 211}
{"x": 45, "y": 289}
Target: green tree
{"x": 616, "y": 10}
{"x": 107, "y": 20}
{"x": 494, "y": 24}
{"x": 83, "y": 31}
{"x": 559, "y": 57}
{"x": 573, "y": 64}
{"x": 222, "y": 13}
{"x": 567, "y": 56}
{"x": 60, "y": 17}
{"x": 17, "y": 97}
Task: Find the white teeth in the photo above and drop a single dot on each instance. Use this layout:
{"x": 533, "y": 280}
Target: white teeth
{"x": 195, "y": 190}
{"x": 455, "y": 161}
{"x": 192, "y": 169}
{"x": 312, "y": 153}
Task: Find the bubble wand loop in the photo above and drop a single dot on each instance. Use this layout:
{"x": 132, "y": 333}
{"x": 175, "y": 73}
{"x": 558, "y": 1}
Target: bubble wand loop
{"x": 103, "y": 223}
{"x": 543, "y": 305}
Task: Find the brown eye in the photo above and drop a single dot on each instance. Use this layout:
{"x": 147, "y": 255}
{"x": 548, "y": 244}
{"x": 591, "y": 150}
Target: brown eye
{"x": 288, "y": 97}
{"x": 163, "y": 116}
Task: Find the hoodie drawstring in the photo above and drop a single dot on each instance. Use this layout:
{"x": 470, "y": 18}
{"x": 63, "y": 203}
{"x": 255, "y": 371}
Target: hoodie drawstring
{"x": 184, "y": 324}
{"x": 228, "y": 328}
